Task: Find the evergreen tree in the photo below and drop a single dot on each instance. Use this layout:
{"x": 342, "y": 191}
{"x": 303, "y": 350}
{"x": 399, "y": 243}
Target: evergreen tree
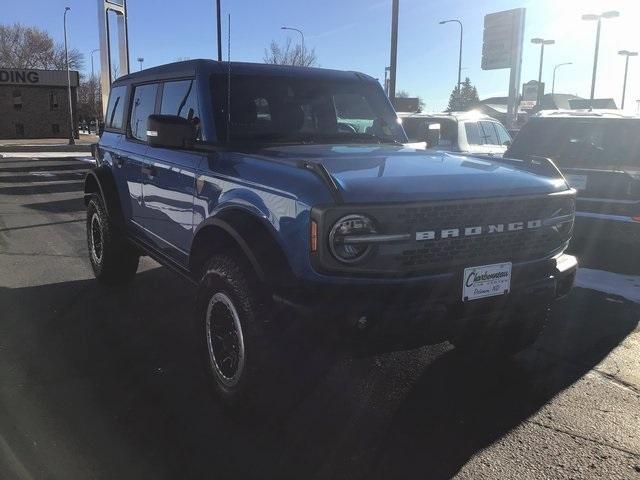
{"x": 465, "y": 98}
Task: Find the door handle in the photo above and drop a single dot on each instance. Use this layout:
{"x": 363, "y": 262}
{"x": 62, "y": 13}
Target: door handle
{"x": 149, "y": 170}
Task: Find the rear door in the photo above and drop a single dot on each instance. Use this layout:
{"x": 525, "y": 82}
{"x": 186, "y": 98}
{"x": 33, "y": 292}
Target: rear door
{"x": 168, "y": 177}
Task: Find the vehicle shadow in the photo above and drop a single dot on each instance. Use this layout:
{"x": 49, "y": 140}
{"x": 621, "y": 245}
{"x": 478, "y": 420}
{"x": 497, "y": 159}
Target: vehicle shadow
{"x": 116, "y": 373}
{"x": 460, "y": 406}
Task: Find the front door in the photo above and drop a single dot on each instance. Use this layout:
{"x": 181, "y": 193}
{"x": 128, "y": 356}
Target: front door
{"x": 168, "y": 178}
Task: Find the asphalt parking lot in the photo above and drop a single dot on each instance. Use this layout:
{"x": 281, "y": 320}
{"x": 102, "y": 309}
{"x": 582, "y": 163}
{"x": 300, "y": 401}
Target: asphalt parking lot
{"x": 105, "y": 383}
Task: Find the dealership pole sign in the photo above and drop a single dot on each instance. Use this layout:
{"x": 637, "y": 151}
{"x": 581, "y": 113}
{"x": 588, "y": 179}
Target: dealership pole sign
{"x": 119, "y": 9}
{"x": 502, "y": 48}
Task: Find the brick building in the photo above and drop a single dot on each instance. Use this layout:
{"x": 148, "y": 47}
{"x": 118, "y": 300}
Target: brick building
{"x": 35, "y": 103}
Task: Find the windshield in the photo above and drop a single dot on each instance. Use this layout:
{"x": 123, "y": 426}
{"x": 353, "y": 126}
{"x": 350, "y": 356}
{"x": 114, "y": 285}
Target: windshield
{"x": 416, "y": 129}
{"x": 576, "y": 142}
{"x": 283, "y": 109}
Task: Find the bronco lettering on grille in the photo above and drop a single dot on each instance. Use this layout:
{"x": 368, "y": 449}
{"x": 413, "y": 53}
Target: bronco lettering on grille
{"x": 478, "y": 230}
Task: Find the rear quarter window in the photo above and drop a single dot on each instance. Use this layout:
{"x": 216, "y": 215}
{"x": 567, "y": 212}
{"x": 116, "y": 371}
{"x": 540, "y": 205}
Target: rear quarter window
{"x": 115, "y": 109}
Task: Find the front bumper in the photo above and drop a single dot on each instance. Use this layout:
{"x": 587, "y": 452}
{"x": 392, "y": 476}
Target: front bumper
{"x": 433, "y": 310}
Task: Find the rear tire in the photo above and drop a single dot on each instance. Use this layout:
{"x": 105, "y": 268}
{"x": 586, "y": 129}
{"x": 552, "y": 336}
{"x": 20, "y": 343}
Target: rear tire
{"x": 113, "y": 259}
{"x": 235, "y": 328}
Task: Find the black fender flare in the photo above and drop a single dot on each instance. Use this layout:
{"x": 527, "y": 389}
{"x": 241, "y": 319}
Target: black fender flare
{"x": 99, "y": 180}
{"x": 238, "y": 239}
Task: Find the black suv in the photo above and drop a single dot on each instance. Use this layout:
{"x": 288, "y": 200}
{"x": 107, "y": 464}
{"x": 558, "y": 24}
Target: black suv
{"x": 599, "y": 155}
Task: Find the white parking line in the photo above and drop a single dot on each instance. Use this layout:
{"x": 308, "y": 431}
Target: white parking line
{"x": 626, "y": 286}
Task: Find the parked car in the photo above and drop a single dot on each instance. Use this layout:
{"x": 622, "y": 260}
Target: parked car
{"x": 464, "y": 132}
{"x": 599, "y": 154}
{"x": 292, "y": 196}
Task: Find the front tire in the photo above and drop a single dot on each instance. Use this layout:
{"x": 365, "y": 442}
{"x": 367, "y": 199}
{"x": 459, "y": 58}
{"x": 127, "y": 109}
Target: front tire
{"x": 234, "y": 318}
{"x": 113, "y": 259}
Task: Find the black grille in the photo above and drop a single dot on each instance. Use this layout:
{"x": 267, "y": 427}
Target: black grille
{"x": 484, "y": 248}
{"x": 440, "y": 255}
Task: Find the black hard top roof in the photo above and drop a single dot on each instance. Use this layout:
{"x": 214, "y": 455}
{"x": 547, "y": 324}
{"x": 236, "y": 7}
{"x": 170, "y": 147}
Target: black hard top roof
{"x": 193, "y": 67}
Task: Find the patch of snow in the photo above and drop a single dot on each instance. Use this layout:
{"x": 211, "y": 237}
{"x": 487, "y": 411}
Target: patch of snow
{"x": 626, "y": 286}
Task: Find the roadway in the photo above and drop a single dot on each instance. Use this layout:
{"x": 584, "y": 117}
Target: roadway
{"x": 105, "y": 383}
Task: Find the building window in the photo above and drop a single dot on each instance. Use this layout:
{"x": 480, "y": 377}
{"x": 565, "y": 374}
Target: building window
{"x": 53, "y": 101}
{"x": 19, "y": 130}
{"x": 17, "y": 99}
{"x": 55, "y": 128}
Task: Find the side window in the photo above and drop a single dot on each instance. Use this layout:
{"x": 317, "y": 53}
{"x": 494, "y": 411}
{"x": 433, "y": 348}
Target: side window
{"x": 144, "y": 104}
{"x": 488, "y": 133}
{"x": 473, "y": 133}
{"x": 180, "y": 99}
{"x": 115, "y": 108}
{"x": 503, "y": 135}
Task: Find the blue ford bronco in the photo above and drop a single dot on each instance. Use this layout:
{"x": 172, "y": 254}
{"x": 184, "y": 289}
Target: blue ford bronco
{"x": 286, "y": 194}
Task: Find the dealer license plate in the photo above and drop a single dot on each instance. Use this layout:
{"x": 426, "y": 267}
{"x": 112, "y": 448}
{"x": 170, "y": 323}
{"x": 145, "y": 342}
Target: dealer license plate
{"x": 486, "y": 281}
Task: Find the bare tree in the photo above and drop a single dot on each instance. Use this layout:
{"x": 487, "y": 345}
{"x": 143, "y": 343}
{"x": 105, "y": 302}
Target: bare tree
{"x": 89, "y": 99}
{"x": 29, "y": 47}
{"x": 278, "y": 54}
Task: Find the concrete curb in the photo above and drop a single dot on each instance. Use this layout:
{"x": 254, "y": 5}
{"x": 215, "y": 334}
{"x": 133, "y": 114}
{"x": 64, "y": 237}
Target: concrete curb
{"x": 44, "y": 148}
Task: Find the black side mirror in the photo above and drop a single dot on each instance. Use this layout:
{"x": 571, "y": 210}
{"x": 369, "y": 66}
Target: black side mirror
{"x": 100, "y": 129}
{"x": 171, "y": 131}
{"x": 432, "y": 135}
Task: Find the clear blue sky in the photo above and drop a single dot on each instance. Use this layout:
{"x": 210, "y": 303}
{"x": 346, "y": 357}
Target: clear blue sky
{"x": 354, "y": 35}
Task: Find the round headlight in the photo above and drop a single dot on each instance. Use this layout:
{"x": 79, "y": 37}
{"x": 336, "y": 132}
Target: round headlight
{"x": 343, "y": 238}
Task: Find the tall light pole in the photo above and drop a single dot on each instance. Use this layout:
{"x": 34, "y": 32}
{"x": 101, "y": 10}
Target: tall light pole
{"x": 460, "y": 55}
{"x": 393, "y": 62}
{"x": 66, "y": 60}
{"x": 219, "y": 21}
{"x": 591, "y": 17}
{"x": 627, "y": 54}
{"x": 301, "y": 35}
{"x": 93, "y": 73}
{"x": 553, "y": 84}
{"x": 542, "y": 42}
{"x": 140, "y": 61}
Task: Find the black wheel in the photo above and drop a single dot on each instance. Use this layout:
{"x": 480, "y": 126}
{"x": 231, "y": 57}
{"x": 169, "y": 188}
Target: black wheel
{"x": 518, "y": 333}
{"x": 113, "y": 259}
{"x": 234, "y": 325}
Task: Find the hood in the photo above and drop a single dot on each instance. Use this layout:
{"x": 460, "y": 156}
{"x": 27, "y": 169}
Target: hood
{"x": 375, "y": 173}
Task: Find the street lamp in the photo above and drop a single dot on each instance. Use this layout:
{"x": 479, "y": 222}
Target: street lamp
{"x": 542, "y": 42}
{"x": 591, "y": 17}
{"x": 553, "y": 84}
{"x": 301, "y": 35}
{"x": 460, "y": 55}
{"x": 140, "y": 61}
{"x": 66, "y": 60}
{"x": 92, "y": 70}
{"x": 627, "y": 54}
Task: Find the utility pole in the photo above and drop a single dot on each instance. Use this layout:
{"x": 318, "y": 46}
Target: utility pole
{"x": 591, "y": 17}
{"x": 460, "y": 55}
{"x": 66, "y": 61}
{"x": 627, "y": 54}
{"x": 542, "y": 42}
{"x": 302, "y": 63}
{"x": 219, "y": 30}
{"x": 393, "y": 64}
{"x": 553, "y": 84}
